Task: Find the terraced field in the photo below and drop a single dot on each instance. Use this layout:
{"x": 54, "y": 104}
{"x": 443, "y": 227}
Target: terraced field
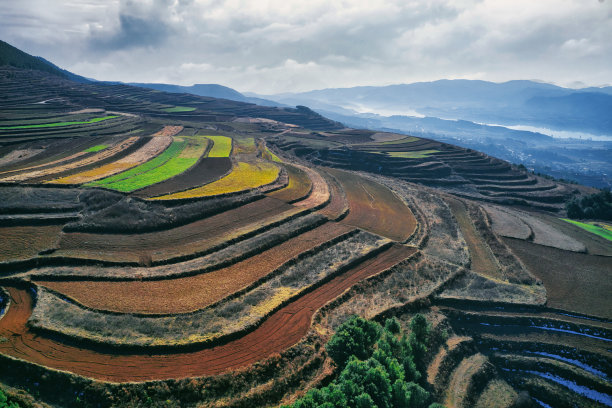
{"x": 187, "y": 250}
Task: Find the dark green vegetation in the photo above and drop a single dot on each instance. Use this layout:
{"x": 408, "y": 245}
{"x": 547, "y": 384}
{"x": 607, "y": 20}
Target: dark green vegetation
{"x": 596, "y": 206}
{"x": 5, "y": 402}
{"x": 379, "y": 367}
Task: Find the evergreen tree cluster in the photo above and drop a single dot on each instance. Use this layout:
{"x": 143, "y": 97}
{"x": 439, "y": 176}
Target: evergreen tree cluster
{"x": 379, "y": 367}
{"x": 594, "y": 206}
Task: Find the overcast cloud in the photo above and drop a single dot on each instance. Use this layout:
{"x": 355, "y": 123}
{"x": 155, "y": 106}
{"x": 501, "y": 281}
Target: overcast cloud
{"x": 271, "y": 46}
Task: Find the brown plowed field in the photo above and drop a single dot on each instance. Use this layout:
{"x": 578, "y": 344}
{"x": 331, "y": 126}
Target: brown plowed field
{"x": 483, "y": 260}
{"x": 299, "y": 185}
{"x": 374, "y": 207}
{"x": 23, "y": 242}
{"x": 281, "y": 330}
{"x": 319, "y": 193}
{"x": 194, "y": 292}
{"x": 573, "y": 281}
{"x": 205, "y": 171}
{"x": 187, "y": 239}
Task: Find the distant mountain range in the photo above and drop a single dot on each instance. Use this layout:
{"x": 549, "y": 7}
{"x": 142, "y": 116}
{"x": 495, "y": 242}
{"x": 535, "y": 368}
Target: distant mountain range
{"x": 212, "y": 90}
{"x": 509, "y": 103}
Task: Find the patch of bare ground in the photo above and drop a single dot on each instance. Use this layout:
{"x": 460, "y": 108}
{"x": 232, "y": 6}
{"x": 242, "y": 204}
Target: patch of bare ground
{"x": 595, "y": 244}
{"x": 319, "y": 193}
{"x": 574, "y": 281}
{"x": 482, "y": 259}
{"x": 23, "y": 242}
{"x": 545, "y": 234}
{"x": 506, "y": 224}
{"x": 168, "y": 131}
{"x": 374, "y": 207}
{"x": 188, "y": 294}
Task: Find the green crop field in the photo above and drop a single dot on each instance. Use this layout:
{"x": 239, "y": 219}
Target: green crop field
{"x": 173, "y": 150}
{"x": 186, "y": 157}
{"x": 419, "y": 154}
{"x": 177, "y": 109}
{"x": 222, "y": 146}
{"x": 96, "y": 148}
{"x": 57, "y": 124}
{"x": 593, "y": 228}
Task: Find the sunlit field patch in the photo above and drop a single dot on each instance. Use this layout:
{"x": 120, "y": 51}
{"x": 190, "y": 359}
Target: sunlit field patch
{"x": 57, "y": 124}
{"x": 183, "y": 158}
{"x": 244, "y": 176}
{"x": 177, "y": 109}
{"x": 222, "y": 146}
{"x": 597, "y": 228}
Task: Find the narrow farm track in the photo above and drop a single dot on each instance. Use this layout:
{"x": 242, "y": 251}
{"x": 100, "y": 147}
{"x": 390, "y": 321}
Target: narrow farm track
{"x": 281, "y": 330}
{"x": 374, "y": 207}
{"x": 194, "y": 292}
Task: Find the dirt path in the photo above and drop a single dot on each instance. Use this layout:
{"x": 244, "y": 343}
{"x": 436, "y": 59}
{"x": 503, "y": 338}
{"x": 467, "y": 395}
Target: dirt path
{"x": 374, "y": 207}
{"x": 281, "y": 330}
{"x": 483, "y": 261}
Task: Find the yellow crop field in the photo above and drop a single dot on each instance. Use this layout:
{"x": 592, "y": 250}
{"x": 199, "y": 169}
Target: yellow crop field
{"x": 222, "y": 146}
{"x": 244, "y": 176}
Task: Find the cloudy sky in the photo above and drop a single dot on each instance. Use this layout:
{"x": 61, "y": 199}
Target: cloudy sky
{"x": 272, "y": 46}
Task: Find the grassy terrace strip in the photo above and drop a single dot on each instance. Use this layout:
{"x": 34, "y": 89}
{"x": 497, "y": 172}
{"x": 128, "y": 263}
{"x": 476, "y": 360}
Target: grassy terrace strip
{"x": 222, "y": 146}
{"x": 152, "y": 148}
{"x": 57, "y": 124}
{"x": 418, "y": 154}
{"x": 178, "y": 109}
{"x": 96, "y": 148}
{"x": 604, "y": 232}
{"x": 244, "y": 176}
{"x": 189, "y": 152}
{"x": 233, "y": 314}
{"x": 173, "y": 150}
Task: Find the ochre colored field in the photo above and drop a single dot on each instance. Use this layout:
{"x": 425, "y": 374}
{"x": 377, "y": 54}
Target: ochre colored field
{"x": 194, "y": 292}
{"x": 374, "y": 207}
{"x": 338, "y": 205}
{"x": 184, "y": 240}
{"x": 281, "y": 330}
{"x": 57, "y": 124}
{"x": 299, "y": 185}
{"x": 192, "y": 149}
{"x": 168, "y": 131}
{"x": 154, "y": 147}
{"x": 244, "y": 176}
{"x": 222, "y": 146}
{"x": 23, "y": 242}
{"x": 103, "y": 154}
